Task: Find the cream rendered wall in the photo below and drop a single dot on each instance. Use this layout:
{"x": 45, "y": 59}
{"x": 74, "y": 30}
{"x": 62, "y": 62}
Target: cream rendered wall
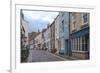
{"x": 57, "y": 33}
{"x": 47, "y": 38}
{"x": 39, "y": 40}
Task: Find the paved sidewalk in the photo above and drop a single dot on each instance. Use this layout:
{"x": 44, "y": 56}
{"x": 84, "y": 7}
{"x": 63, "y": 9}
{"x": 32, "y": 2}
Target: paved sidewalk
{"x": 30, "y": 56}
{"x": 68, "y": 57}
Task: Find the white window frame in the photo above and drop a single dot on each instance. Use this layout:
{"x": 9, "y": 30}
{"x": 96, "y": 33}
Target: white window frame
{"x": 73, "y": 44}
{"x": 78, "y": 44}
{"x": 83, "y": 19}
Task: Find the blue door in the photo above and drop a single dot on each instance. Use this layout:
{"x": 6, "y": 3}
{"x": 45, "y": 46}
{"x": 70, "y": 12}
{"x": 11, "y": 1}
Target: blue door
{"x": 67, "y": 48}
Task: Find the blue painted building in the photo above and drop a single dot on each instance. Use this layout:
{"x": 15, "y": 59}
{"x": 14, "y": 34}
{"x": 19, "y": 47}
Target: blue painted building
{"x": 64, "y": 33}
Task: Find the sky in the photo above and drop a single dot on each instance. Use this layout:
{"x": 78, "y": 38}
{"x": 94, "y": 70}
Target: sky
{"x": 38, "y": 20}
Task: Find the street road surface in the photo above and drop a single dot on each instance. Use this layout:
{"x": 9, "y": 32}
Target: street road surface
{"x": 43, "y": 56}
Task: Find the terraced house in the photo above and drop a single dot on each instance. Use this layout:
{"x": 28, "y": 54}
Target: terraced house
{"x": 44, "y": 39}
{"x": 47, "y": 39}
{"x": 79, "y": 34}
{"x": 38, "y": 41}
{"x": 57, "y": 34}
{"x": 52, "y": 36}
{"x": 64, "y": 33}
{"x": 32, "y": 36}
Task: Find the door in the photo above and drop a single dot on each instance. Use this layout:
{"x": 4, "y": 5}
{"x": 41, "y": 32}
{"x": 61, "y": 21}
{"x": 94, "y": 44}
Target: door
{"x": 67, "y": 48}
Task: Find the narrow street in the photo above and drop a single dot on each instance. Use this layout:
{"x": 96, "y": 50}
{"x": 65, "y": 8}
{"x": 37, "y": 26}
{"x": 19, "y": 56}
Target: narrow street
{"x": 43, "y": 40}
{"x": 43, "y": 56}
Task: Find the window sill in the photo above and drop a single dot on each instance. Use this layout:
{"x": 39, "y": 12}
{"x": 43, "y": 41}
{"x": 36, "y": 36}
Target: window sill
{"x": 75, "y": 51}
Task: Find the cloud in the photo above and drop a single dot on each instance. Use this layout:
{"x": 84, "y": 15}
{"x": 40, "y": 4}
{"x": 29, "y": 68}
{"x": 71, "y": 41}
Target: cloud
{"x": 39, "y": 19}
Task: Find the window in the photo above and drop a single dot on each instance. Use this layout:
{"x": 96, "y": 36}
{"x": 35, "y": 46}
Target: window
{"x": 63, "y": 25}
{"x": 62, "y": 14}
{"x": 85, "y": 18}
{"x": 80, "y": 44}
{"x": 83, "y": 43}
{"x": 73, "y": 16}
{"x": 73, "y": 44}
{"x": 73, "y": 22}
{"x": 86, "y": 43}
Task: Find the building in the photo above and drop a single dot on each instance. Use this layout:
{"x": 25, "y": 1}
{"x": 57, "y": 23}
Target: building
{"x": 79, "y": 34}
{"x": 64, "y": 33}
{"x": 44, "y": 39}
{"x": 52, "y": 36}
{"x": 24, "y": 32}
{"x": 32, "y": 36}
{"x": 38, "y": 41}
{"x": 57, "y": 33}
{"x": 24, "y": 38}
{"x": 47, "y": 38}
